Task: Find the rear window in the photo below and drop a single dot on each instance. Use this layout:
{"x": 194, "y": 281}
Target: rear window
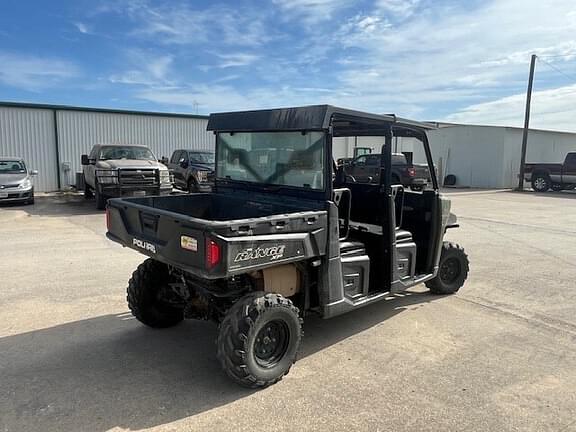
{"x": 398, "y": 160}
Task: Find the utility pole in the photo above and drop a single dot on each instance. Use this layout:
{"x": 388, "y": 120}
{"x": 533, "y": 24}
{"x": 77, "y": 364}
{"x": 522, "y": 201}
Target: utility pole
{"x": 526, "y": 123}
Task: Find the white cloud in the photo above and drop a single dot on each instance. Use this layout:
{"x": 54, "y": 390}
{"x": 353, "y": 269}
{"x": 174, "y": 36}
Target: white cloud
{"x": 451, "y": 55}
{"x": 181, "y": 24}
{"x": 35, "y": 73}
{"x": 236, "y": 60}
{"x": 149, "y": 70}
{"x": 82, "y": 28}
{"x": 398, "y": 8}
{"x": 312, "y": 10}
{"x": 551, "y": 109}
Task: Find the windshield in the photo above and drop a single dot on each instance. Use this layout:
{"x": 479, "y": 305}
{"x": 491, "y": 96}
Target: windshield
{"x": 126, "y": 152}
{"x": 12, "y": 167}
{"x": 202, "y": 158}
{"x": 278, "y": 158}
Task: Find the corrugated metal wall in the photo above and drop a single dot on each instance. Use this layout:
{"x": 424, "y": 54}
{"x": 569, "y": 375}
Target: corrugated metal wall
{"x": 29, "y": 133}
{"x": 78, "y": 131}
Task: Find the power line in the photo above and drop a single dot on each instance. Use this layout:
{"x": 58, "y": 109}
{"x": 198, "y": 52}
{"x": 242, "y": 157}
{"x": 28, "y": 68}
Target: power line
{"x": 570, "y": 77}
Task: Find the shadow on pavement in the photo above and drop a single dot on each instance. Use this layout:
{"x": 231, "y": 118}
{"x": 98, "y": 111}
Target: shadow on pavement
{"x": 111, "y": 371}
{"x": 56, "y": 205}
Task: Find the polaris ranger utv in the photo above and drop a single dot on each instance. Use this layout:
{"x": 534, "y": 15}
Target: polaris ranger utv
{"x": 283, "y": 235}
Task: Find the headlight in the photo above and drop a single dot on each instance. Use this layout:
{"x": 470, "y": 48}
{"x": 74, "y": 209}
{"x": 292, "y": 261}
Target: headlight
{"x": 25, "y": 184}
{"x": 165, "y": 176}
{"x": 202, "y": 176}
{"x": 107, "y": 176}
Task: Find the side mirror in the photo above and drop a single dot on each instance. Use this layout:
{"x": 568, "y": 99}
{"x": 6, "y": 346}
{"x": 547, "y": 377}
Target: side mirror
{"x": 34, "y": 172}
{"x": 85, "y": 160}
{"x": 183, "y": 163}
{"x": 164, "y": 160}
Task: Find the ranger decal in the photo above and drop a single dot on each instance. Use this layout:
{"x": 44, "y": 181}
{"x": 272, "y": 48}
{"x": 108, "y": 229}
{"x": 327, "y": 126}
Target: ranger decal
{"x": 251, "y": 253}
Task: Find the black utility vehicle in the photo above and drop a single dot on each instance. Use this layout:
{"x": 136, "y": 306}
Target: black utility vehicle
{"x": 193, "y": 170}
{"x": 282, "y": 235}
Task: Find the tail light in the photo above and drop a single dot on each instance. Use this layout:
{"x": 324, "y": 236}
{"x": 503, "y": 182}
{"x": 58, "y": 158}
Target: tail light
{"x": 107, "y": 219}
{"x": 411, "y": 171}
{"x": 213, "y": 253}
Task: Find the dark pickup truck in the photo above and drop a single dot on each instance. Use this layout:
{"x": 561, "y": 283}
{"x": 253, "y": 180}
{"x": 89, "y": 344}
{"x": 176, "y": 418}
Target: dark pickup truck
{"x": 193, "y": 170}
{"x": 555, "y": 176}
{"x": 366, "y": 169}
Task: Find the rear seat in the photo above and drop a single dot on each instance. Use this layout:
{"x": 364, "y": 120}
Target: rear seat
{"x": 403, "y": 236}
{"x": 351, "y": 247}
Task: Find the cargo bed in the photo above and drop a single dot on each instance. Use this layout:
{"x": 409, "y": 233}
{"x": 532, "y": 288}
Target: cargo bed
{"x": 214, "y": 235}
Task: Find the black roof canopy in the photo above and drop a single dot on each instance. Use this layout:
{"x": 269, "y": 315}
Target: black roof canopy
{"x": 315, "y": 117}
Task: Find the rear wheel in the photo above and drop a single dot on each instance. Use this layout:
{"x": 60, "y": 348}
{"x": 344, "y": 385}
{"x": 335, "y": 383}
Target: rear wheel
{"x": 541, "y": 183}
{"x": 259, "y": 339}
{"x": 452, "y": 270}
{"x": 145, "y": 296}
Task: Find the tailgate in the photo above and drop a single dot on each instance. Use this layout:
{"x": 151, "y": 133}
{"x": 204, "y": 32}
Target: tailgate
{"x": 422, "y": 172}
{"x": 190, "y": 243}
{"x": 160, "y": 234}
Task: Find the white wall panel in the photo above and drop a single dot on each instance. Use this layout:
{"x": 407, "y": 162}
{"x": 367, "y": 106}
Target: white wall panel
{"x": 78, "y": 131}
{"x": 29, "y": 134}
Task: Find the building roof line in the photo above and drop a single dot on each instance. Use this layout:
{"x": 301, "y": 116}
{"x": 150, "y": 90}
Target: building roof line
{"x": 29, "y": 105}
{"x": 441, "y": 125}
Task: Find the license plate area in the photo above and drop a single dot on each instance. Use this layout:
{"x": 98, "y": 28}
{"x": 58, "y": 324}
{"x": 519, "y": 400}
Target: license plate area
{"x": 3, "y": 195}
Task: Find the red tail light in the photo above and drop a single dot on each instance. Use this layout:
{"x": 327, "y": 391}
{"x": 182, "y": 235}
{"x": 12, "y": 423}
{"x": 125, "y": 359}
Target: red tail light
{"x": 107, "y": 219}
{"x": 213, "y": 254}
{"x": 411, "y": 172}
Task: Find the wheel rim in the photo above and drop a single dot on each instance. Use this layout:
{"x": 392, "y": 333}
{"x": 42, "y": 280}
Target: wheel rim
{"x": 271, "y": 343}
{"x": 540, "y": 183}
{"x": 450, "y": 270}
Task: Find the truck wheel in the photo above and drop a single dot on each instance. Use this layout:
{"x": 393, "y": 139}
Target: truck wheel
{"x": 88, "y": 194}
{"x": 259, "y": 338}
{"x": 541, "y": 183}
{"x": 100, "y": 199}
{"x": 192, "y": 188}
{"x": 144, "y": 289}
{"x": 452, "y": 270}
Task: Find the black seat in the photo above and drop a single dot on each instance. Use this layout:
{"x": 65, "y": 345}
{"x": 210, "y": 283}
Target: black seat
{"x": 349, "y": 246}
{"x": 403, "y": 236}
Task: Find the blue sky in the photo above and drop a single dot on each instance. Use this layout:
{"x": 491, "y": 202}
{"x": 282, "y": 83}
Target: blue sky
{"x": 463, "y": 61}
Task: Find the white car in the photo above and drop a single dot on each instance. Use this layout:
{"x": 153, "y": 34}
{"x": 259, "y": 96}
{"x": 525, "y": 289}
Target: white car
{"x": 16, "y": 181}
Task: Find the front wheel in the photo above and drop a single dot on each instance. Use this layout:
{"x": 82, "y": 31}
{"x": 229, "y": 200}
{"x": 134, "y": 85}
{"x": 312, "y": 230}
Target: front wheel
{"x": 259, "y": 338}
{"x": 100, "y": 198}
{"x": 541, "y": 183}
{"x": 145, "y": 296}
{"x": 192, "y": 188}
{"x": 452, "y": 270}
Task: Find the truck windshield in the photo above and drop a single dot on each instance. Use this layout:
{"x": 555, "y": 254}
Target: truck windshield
{"x": 277, "y": 158}
{"x": 12, "y": 167}
{"x": 126, "y": 152}
{"x": 202, "y": 158}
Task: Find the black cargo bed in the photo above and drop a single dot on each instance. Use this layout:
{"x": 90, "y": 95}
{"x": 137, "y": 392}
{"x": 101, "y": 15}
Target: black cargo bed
{"x": 156, "y": 227}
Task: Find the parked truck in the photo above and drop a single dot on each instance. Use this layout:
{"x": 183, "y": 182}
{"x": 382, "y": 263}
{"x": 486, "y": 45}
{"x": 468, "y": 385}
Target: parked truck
{"x": 366, "y": 169}
{"x": 115, "y": 170}
{"x": 555, "y": 176}
{"x": 282, "y": 236}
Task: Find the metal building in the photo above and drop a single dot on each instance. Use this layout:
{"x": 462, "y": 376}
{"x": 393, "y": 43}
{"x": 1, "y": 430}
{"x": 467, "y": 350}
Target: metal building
{"x": 51, "y": 138}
